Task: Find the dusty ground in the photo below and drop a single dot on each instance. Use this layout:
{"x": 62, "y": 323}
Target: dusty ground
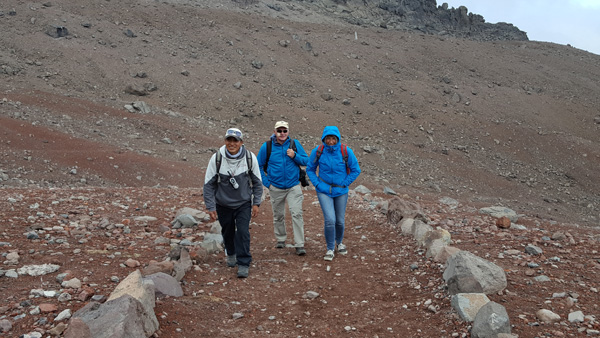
{"x": 503, "y": 123}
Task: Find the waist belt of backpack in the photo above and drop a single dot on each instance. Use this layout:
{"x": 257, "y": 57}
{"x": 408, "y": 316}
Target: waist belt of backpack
{"x": 331, "y": 184}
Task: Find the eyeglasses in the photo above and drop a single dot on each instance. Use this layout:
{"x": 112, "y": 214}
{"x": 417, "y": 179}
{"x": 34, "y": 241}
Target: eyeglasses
{"x": 232, "y": 132}
{"x": 282, "y": 131}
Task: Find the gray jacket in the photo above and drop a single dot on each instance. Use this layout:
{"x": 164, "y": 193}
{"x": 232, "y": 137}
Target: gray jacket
{"x": 223, "y": 193}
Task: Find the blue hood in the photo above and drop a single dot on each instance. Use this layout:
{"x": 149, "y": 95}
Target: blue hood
{"x": 331, "y": 130}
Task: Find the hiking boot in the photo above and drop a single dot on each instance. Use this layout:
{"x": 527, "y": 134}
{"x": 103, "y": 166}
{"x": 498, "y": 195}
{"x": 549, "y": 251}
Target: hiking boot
{"x": 242, "y": 271}
{"x": 300, "y": 251}
{"x": 329, "y": 255}
{"x": 231, "y": 261}
{"x": 280, "y": 245}
{"x": 342, "y": 250}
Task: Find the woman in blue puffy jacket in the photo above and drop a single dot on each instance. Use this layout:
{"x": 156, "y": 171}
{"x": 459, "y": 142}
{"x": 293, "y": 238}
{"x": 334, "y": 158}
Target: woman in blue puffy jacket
{"x": 337, "y": 169}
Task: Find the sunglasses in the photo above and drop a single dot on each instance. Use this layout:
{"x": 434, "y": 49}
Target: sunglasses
{"x": 282, "y": 131}
{"x": 231, "y": 132}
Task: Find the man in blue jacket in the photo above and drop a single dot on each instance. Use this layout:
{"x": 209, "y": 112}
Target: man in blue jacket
{"x": 338, "y": 168}
{"x": 280, "y": 171}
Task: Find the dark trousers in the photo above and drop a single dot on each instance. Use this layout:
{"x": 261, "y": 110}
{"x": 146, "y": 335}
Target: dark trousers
{"x": 235, "y": 228}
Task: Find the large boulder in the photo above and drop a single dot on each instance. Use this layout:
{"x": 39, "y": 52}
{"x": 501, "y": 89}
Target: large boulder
{"x": 437, "y": 234}
{"x": 499, "y": 212}
{"x": 468, "y": 273}
{"x": 195, "y": 213}
{"x": 399, "y": 209}
{"x": 120, "y": 317}
{"x": 445, "y": 253}
{"x": 491, "y": 320}
{"x": 165, "y": 285}
{"x": 435, "y": 241}
{"x": 420, "y": 229}
{"x": 154, "y": 267}
{"x": 406, "y": 225}
{"x": 183, "y": 265}
{"x": 142, "y": 290}
{"x": 468, "y": 304}
{"x": 184, "y": 221}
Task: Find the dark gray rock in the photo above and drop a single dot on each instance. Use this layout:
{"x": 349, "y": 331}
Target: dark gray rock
{"x": 533, "y": 250}
{"x": 490, "y": 321}
{"x": 57, "y": 31}
{"x": 120, "y": 317}
{"x": 468, "y": 273}
{"x": 165, "y": 285}
{"x": 399, "y": 209}
{"x": 184, "y": 221}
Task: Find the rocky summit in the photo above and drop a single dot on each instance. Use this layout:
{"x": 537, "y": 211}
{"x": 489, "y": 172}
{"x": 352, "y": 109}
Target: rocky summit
{"x": 476, "y": 212}
{"x": 421, "y": 16}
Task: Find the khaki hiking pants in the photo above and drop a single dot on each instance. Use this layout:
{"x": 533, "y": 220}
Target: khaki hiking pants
{"x": 294, "y": 197}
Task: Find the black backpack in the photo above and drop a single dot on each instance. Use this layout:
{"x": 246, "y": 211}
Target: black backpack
{"x": 302, "y": 179}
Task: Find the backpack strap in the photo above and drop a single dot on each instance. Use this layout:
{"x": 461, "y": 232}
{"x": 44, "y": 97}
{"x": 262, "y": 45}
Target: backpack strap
{"x": 269, "y": 147}
{"x": 319, "y": 152}
{"x": 248, "y": 162}
{"x": 344, "y": 149}
{"x": 218, "y": 160}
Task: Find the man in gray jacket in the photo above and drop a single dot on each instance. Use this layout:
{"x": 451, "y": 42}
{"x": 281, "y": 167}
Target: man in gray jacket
{"x": 232, "y": 193}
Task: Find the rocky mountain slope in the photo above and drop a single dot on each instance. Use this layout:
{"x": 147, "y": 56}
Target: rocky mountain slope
{"x": 514, "y": 122}
{"x": 111, "y": 110}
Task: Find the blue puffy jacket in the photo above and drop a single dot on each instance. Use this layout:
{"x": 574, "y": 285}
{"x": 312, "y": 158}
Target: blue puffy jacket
{"x": 282, "y": 171}
{"x": 332, "y": 179}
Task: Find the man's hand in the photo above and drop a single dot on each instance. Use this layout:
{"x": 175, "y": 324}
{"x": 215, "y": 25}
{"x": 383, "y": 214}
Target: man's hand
{"x": 213, "y": 215}
{"x": 254, "y": 210}
{"x": 291, "y": 153}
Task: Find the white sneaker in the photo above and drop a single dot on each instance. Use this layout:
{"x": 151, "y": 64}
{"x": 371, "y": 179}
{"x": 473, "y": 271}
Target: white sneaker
{"x": 329, "y": 255}
{"x": 342, "y": 250}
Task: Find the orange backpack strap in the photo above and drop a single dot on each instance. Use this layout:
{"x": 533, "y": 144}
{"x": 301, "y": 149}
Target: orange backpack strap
{"x": 344, "y": 150}
{"x": 319, "y": 152}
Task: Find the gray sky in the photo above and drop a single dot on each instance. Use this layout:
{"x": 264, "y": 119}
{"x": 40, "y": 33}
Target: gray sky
{"x": 574, "y": 22}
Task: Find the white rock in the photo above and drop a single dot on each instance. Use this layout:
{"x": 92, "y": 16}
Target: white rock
{"x": 547, "y": 316}
{"x": 310, "y": 295}
{"x": 49, "y": 294}
{"x": 11, "y": 274}
{"x": 576, "y": 317}
{"x": 38, "y": 270}
{"x": 66, "y": 314}
{"x": 72, "y": 283}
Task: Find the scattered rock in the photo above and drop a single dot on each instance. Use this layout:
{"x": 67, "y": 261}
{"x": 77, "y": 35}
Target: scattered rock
{"x": 499, "y": 212}
{"x": 468, "y": 304}
{"x": 467, "y": 273}
{"x": 491, "y": 320}
{"x": 547, "y": 316}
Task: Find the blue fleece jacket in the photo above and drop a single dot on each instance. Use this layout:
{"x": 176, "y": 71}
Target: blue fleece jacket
{"x": 332, "y": 179}
{"x": 282, "y": 171}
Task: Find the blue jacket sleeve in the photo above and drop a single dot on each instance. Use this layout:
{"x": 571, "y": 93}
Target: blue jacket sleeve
{"x": 354, "y": 168}
{"x": 301, "y": 157}
{"x": 311, "y": 167}
{"x": 262, "y": 160}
